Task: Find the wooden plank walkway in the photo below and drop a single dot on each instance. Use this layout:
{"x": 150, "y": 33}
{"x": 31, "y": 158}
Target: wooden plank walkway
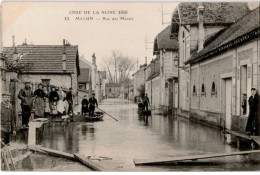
{"x": 75, "y": 157}
{"x": 92, "y": 165}
{"x": 191, "y": 157}
{"x": 52, "y": 152}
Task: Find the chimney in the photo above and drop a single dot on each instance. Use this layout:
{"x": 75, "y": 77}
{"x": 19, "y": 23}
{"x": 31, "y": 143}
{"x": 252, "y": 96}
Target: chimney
{"x": 201, "y": 31}
{"x": 64, "y": 57}
{"x": 94, "y": 59}
{"x": 13, "y": 40}
{"x": 145, "y": 60}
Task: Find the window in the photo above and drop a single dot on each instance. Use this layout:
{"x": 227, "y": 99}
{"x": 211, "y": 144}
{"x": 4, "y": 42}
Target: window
{"x": 213, "y": 89}
{"x": 203, "y": 92}
{"x": 109, "y": 90}
{"x": 194, "y": 90}
{"x": 82, "y": 86}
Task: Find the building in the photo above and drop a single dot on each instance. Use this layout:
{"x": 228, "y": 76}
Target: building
{"x": 84, "y": 79}
{"x": 113, "y": 90}
{"x": 227, "y": 67}
{"x": 194, "y": 25}
{"x": 153, "y": 83}
{"x": 166, "y": 49}
{"x": 139, "y": 81}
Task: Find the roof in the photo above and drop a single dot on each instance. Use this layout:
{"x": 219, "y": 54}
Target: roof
{"x": 83, "y": 63}
{"x": 84, "y": 76}
{"x": 46, "y": 58}
{"x": 214, "y": 13}
{"x": 163, "y": 41}
{"x": 246, "y": 28}
{"x": 113, "y": 85}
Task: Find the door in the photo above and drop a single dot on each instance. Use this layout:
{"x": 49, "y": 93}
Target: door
{"x": 228, "y": 92}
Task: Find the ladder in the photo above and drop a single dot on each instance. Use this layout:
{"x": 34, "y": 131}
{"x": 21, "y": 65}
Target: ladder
{"x": 7, "y": 159}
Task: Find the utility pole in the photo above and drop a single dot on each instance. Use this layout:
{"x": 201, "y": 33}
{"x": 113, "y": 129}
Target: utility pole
{"x": 163, "y": 14}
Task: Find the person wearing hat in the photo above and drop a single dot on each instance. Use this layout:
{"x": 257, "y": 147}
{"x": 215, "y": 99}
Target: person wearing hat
{"x": 84, "y": 103}
{"x": 92, "y": 103}
{"x": 39, "y": 95}
{"x": 244, "y": 103}
{"x": 26, "y": 97}
{"x": 252, "y": 122}
{"x": 7, "y": 119}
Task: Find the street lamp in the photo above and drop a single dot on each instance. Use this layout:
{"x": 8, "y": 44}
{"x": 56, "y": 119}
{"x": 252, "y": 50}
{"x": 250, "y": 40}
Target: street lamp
{"x": 176, "y": 61}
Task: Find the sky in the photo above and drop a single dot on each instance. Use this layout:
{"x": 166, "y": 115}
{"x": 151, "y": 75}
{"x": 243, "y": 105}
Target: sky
{"x": 43, "y": 23}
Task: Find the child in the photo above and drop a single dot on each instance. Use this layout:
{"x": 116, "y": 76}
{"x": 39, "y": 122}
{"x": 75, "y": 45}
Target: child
{"x": 84, "y": 108}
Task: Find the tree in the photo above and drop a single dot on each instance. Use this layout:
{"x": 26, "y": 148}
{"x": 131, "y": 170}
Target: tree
{"x": 119, "y": 66}
{"x": 141, "y": 90}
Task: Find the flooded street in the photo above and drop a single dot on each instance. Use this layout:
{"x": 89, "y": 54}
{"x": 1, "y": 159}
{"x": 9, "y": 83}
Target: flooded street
{"x": 136, "y": 137}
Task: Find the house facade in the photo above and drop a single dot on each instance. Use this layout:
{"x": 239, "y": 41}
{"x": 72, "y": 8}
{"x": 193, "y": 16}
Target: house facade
{"x": 223, "y": 71}
{"x": 166, "y": 49}
{"x": 139, "y": 80}
{"x": 194, "y": 25}
{"x": 113, "y": 90}
{"x": 84, "y": 79}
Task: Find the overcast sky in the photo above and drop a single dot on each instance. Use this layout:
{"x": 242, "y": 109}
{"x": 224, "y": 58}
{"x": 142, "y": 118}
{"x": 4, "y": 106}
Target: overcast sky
{"x": 43, "y": 23}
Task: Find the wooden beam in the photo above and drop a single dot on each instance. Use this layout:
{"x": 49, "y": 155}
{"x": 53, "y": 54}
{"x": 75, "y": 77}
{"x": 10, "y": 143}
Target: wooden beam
{"x": 237, "y": 134}
{"x": 52, "y": 152}
{"x": 85, "y": 161}
{"x": 190, "y": 157}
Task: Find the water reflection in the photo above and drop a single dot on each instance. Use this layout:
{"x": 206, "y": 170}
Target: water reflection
{"x": 144, "y": 137}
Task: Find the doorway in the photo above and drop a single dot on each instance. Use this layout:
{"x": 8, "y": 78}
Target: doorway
{"x": 243, "y": 88}
{"x": 228, "y": 102}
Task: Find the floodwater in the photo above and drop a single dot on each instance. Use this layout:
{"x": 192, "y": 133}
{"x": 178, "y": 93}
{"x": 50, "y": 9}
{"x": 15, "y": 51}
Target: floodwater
{"x": 136, "y": 137}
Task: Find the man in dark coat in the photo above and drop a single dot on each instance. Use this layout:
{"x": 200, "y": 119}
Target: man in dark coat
{"x": 26, "y": 95}
{"x": 92, "y": 103}
{"x": 146, "y": 102}
{"x": 84, "y": 103}
{"x": 7, "y": 119}
{"x": 252, "y": 122}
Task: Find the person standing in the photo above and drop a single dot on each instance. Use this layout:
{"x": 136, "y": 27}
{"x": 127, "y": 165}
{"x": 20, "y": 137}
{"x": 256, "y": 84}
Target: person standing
{"x": 53, "y": 99}
{"x": 39, "y": 101}
{"x": 84, "y": 108}
{"x": 146, "y": 102}
{"x": 60, "y": 105}
{"x": 252, "y": 122}
{"x": 7, "y": 119}
{"x": 69, "y": 98}
{"x": 46, "y": 102}
{"x": 26, "y": 95}
{"x": 92, "y": 104}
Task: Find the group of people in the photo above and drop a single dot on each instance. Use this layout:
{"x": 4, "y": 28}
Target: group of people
{"x": 44, "y": 103}
{"x": 88, "y": 106}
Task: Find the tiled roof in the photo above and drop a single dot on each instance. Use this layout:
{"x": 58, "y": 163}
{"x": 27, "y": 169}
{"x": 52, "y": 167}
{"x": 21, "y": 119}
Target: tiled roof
{"x": 46, "y": 58}
{"x": 214, "y": 13}
{"x": 163, "y": 41}
{"x": 84, "y": 75}
{"x": 243, "y": 26}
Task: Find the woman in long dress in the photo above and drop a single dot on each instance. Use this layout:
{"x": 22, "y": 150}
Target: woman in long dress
{"x": 47, "y": 109}
{"x": 39, "y": 101}
{"x": 60, "y": 105}
{"x": 53, "y": 99}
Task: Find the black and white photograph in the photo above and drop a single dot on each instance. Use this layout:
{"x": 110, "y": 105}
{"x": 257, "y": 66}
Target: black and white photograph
{"x": 130, "y": 86}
